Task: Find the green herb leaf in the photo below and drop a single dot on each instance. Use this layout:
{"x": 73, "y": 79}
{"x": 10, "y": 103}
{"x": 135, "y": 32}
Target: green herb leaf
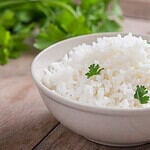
{"x": 48, "y": 21}
{"x": 4, "y": 56}
{"x": 94, "y": 69}
{"x": 109, "y": 25}
{"x": 141, "y": 94}
{"x": 7, "y": 19}
{"x": 48, "y": 36}
{"x": 116, "y": 10}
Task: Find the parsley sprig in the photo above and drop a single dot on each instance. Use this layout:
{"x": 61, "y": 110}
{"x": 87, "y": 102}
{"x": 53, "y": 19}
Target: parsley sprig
{"x": 49, "y": 21}
{"x": 94, "y": 69}
{"x": 141, "y": 94}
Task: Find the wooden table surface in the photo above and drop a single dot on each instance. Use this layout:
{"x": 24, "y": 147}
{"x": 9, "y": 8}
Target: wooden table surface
{"x": 25, "y": 122}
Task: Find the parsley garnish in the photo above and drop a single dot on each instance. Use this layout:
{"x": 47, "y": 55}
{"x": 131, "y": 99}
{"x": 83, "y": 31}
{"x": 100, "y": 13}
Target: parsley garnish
{"x": 94, "y": 70}
{"x": 141, "y": 94}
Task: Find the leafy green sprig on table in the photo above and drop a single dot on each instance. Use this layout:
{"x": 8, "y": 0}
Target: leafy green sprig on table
{"x": 48, "y": 21}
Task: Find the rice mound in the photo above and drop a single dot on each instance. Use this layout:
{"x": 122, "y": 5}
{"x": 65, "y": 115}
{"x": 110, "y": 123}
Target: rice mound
{"x": 126, "y": 63}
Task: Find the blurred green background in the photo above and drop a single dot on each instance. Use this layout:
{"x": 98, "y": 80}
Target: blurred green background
{"x": 48, "y": 21}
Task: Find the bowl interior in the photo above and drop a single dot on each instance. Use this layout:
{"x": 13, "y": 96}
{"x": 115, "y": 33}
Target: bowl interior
{"x": 58, "y": 50}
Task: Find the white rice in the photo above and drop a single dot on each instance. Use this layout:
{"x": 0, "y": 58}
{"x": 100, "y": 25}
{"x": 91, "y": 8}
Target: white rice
{"x": 126, "y": 63}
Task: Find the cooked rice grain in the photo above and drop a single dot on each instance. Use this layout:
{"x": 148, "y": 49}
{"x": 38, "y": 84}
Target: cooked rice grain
{"x": 126, "y": 61}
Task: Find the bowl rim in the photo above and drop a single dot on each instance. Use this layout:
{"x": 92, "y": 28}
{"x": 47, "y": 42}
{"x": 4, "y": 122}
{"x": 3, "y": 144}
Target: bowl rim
{"x": 78, "y": 105}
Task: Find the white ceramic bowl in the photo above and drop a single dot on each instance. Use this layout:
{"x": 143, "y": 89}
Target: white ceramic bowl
{"x": 110, "y": 126}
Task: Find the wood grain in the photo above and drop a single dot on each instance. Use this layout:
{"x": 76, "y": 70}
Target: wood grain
{"x": 136, "y": 8}
{"x": 138, "y": 26}
{"x": 24, "y": 120}
{"x": 63, "y": 139}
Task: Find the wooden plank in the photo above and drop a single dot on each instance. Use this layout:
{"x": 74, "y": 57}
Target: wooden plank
{"x": 18, "y": 67}
{"x": 136, "y": 8}
{"x": 24, "y": 120}
{"x": 64, "y": 139}
{"x": 138, "y": 26}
